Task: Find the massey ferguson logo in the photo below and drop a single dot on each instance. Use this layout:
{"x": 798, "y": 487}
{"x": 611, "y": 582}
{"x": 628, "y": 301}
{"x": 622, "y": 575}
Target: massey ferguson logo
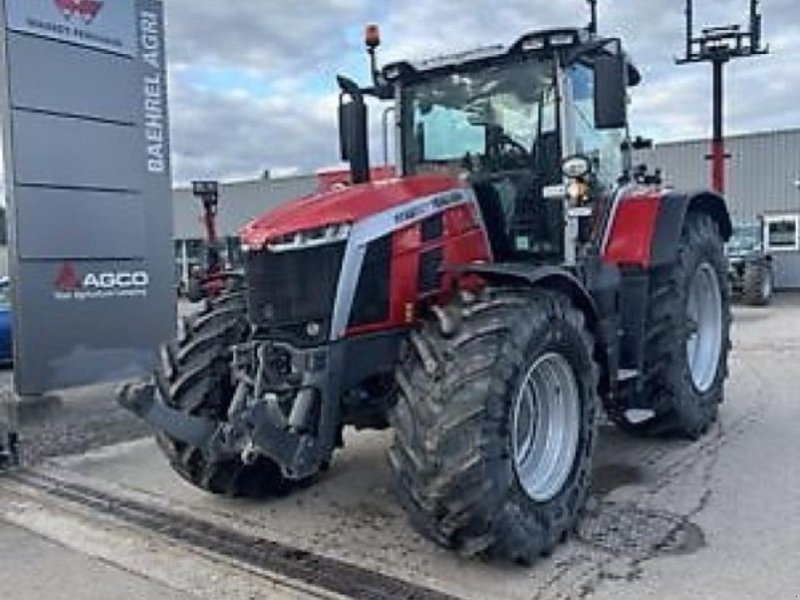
{"x": 70, "y": 284}
{"x": 85, "y": 10}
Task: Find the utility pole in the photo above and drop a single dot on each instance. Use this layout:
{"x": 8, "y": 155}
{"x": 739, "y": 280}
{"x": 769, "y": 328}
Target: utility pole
{"x": 719, "y": 45}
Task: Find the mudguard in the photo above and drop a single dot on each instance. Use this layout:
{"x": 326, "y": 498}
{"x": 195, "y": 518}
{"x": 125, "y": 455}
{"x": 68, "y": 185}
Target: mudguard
{"x": 599, "y": 318}
{"x": 548, "y": 277}
{"x": 645, "y": 225}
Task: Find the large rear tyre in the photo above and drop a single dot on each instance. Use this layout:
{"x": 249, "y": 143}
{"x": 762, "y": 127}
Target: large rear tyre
{"x": 687, "y": 337}
{"x": 758, "y": 283}
{"x": 194, "y": 375}
{"x": 495, "y": 424}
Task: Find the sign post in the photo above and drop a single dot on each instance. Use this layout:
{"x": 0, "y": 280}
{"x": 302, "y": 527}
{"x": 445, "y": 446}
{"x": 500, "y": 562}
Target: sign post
{"x": 85, "y": 127}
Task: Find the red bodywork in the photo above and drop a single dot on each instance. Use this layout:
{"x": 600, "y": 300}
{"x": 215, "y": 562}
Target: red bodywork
{"x": 336, "y": 179}
{"x": 461, "y": 239}
{"x": 345, "y": 205}
{"x": 630, "y": 239}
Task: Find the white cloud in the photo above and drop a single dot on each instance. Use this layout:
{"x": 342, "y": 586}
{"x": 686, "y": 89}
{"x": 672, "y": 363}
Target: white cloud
{"x": 295, "y": 48}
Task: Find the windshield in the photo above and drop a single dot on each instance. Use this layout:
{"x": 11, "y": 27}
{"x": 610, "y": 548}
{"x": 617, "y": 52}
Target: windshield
{"x": 491, "y": 119}
{"x": 746, "y": 238}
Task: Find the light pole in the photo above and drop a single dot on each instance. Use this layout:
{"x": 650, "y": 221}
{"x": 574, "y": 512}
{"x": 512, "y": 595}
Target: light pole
{"x": 718, "y": 45}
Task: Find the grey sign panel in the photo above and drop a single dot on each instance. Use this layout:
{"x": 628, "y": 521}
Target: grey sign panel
{"x": 67, "y": 306}
{"x": 91, "y": 84}
{"x": 118, "y": 228}
{"x": 88, "y": 174}
{"x": 105, "y": 25}
{"x": 70, "y": 152}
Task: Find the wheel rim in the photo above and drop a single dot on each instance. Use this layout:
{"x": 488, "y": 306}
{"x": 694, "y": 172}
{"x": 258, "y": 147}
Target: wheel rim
{"x": 704, "y": 312}
{"x": 546, "y": 427}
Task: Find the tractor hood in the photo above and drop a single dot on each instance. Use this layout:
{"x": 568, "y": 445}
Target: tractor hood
{"x": 344, "y": 206}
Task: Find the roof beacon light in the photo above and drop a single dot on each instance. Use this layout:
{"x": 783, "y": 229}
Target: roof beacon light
{"x": 373, "y": 36}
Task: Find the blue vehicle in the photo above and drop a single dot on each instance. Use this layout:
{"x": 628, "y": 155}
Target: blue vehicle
{"x": 6, "y": 347}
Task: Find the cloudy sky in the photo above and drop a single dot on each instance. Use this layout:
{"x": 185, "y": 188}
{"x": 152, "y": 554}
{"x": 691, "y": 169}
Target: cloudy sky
{"x": 252, "y": 82}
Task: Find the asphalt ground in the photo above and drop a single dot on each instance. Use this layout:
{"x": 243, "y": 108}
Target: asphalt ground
{"x": 718, "y": 518}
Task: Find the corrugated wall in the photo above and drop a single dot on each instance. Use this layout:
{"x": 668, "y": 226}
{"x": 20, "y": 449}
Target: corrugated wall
{"x": 762, "y": 178}
{"x": 239, "y": 203}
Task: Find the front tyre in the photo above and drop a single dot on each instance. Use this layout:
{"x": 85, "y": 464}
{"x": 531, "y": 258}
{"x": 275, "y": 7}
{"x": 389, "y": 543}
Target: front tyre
{"x": 495, "y": 424}
{"x": 194, "y": 376}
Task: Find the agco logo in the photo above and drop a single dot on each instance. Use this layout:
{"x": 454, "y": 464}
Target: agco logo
{"x": 71, "y": 285}
{"x": 85, "y": 10}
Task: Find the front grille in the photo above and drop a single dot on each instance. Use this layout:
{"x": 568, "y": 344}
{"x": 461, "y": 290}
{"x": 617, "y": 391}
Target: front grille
{"x": 371, "y": 301}
{"x": 287, "y": 291}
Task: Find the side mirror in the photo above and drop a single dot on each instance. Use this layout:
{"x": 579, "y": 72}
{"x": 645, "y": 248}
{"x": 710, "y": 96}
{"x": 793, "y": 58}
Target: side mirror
{"x": 610, "y": 91}
{"x": 354, "y": 131}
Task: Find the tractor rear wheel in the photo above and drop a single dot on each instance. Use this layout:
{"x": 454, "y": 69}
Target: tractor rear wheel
{"x": 687, "y": 337}
{"x": 495, "y": 423}
{"x": 194, "y": 376}
{"x": 757, "y": 283}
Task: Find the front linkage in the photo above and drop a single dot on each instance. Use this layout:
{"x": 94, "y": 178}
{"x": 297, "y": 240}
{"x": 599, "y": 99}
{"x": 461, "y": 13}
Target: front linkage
{"x": 277, "y": 411}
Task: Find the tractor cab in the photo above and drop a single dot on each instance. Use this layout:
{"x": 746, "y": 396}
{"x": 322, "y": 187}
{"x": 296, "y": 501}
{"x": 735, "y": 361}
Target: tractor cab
{"x": 505, "y": 119}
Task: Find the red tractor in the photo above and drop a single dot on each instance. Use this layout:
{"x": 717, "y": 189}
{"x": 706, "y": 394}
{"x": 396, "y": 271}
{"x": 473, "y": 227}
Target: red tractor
{"x": 512, "y": 280}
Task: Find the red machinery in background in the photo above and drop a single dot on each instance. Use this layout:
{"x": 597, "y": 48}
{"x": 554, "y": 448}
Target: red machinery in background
{"x": 213, "y": 277}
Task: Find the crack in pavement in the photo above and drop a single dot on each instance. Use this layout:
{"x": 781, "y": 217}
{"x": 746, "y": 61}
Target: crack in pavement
{"x": 617, "y": 539}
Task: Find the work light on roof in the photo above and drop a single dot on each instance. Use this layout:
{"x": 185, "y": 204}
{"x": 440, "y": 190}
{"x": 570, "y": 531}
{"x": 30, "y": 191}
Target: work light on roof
{"x": 562, "y": 39}
{"x": 533, "y": 44}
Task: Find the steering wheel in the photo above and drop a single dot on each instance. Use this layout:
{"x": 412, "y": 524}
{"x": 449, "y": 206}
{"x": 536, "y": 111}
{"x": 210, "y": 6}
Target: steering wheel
{"x": 517, "y": 148}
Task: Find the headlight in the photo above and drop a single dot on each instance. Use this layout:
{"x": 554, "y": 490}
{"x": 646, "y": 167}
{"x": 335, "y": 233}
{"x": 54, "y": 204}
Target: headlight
{"x": 310, "y": 238}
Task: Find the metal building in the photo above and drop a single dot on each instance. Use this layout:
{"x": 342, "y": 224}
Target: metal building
{"x": 763, "y": 175}
{"x": 239, "y": 202}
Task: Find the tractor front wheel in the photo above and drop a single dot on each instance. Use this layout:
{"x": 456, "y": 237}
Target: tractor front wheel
{"x": 495, "y": 423}
{"x": 194, "y": 376}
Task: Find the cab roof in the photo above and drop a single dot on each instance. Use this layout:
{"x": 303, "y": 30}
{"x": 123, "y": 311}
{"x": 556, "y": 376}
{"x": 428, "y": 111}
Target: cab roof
{"x": 539, "y": 43}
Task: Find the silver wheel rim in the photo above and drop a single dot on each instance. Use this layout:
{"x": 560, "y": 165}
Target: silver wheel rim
{"x": 704, "y": 313}
{"x": 546, "y": 427}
